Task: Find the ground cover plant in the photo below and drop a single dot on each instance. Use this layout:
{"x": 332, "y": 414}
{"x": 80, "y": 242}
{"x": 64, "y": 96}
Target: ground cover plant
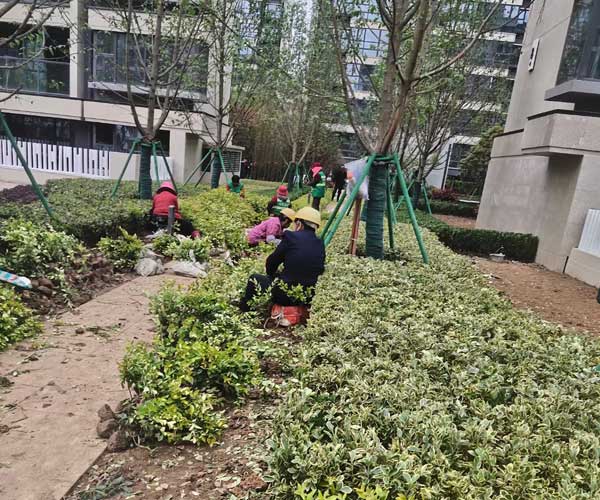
{"x": 421, "y": 382}
{"x": 222, "y": 217}
{"x": 17, "y": 321}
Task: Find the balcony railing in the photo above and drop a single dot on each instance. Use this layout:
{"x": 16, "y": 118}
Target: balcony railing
{"x": 34, "y": 76}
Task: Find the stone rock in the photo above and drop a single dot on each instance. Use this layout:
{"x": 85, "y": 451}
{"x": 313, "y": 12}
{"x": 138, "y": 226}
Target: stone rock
{"x": 119, "y": 441}
{"x": 45, "y": 282}
{"x": 122, "y": 406}
{"x": 216, "y": 252}
{"x": 45, "y": 290}
{"x": 105, "y": 413}
{"x": 147, "y": 253}
{"x": 106, "y": 428}
{"x": 5, "y": 382}
{"x": 149, "y": 267}
{"x": 189, "y": 268}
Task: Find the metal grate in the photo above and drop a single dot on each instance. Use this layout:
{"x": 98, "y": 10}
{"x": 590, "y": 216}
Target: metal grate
{"x": 232, "y": 160}
{"x": 590, "y": 239}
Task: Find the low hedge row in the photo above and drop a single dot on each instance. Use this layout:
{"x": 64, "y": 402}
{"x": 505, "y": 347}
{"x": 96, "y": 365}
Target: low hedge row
{"x": 516, "y": 246}
{"x": 450, "y": 208}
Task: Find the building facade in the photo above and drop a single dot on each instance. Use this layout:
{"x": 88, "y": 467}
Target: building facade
{"x": 544, "y": 176}
{"x": 494, "y": 67}
{"x": 71, "y": 111}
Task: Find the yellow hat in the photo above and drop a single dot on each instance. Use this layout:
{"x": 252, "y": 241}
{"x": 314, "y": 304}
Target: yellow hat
{"x": 289, "y": 213}
{"x": 309, "y": 214}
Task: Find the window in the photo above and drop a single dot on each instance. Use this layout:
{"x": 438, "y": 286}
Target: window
{"x": 113, "y": 60}
{"x": 581, "y": 55}
{"x": 359, "y": 76}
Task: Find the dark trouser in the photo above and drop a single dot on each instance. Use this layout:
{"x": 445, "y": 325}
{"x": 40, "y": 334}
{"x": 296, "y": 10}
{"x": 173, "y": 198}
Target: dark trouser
{"x": 316, "y": 202}
{"x": 337, "y": 191}
{"x": 257, "y": 284}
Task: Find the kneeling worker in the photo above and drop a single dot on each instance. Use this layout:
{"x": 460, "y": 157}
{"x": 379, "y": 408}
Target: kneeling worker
{"x": 302, "y": 254}
{"x": 271, "y": 230}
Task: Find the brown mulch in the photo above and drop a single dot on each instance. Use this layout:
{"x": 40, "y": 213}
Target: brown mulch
{"x": 455, "y": 221}
{"x": 18, "y": 194}
{"x": 553, "y": 296}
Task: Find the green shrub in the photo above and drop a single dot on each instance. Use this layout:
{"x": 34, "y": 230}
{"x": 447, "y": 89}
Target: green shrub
{"x": 203, "y": 352}
{"x": 425, "y": 382}
{"x": 170, "y": 409}
{"x": 123, "y": 252}
{"x": 86, "y": 209}
{"x": 222, "y": 217}
{"x": 450, "y": 208}
{"x": 38, "y": 251}
{"x": 16, "y": 320}
{"x": 516, "y": 246}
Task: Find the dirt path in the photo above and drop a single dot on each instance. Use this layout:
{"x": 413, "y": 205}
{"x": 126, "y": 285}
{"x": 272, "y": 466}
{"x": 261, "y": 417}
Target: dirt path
{"x": 455, "y": 221}
{"x": 555, "y": 297}
{"x": 48, "y": 415}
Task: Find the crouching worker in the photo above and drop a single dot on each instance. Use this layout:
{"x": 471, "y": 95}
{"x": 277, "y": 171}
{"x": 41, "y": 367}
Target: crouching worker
{"x": 302, "y": 254}
{"x": 165, "y": 197}
{"x": 271, "y": 230}
{"x": 279, "y": 201}
{"x": 236, "y": 186}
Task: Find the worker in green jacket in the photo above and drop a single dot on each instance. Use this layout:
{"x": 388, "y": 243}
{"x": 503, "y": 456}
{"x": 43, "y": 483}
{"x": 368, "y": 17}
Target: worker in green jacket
{"x": 236, "y": 186}
{"x": 319, "y": 184}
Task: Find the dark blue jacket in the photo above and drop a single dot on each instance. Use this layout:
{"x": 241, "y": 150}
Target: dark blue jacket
{"x": 302, "y": 254}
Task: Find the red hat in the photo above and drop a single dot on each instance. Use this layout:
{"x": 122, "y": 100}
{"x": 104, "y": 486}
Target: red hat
{"x": 282, "y": 191}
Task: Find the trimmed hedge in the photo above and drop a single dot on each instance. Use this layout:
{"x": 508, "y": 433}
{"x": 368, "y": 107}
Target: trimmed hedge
{"x": 516, "y": 246}
{"x": 449, "y": 208}
{"x": 86, "y": 210}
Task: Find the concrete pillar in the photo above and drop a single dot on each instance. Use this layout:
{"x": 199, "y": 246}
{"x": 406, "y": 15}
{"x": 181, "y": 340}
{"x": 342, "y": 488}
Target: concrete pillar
{"x": 78, "y": 49}
{"x": 177, "y": 152}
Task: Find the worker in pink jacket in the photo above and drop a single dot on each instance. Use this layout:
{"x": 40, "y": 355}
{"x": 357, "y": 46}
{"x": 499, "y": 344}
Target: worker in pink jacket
{"x": 271, "y": 230}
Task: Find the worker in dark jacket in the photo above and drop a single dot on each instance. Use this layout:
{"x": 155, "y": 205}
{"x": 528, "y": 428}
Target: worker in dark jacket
{"x": 302, "y": 254}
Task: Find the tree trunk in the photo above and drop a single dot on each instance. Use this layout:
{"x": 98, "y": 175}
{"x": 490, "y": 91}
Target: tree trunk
{"x": 215, "y": 175}
{"x": 145, "y": 182}
{"x": 375, "y": 211}
{"x": 416, "y": 194}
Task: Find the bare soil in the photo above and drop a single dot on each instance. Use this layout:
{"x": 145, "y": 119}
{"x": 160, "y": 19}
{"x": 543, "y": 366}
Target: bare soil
{"x": 235, "y": 466}
{"x": 553, "y": 296}
{"x": 455, "y": 221}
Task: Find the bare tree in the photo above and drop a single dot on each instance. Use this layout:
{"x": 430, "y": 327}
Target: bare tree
{"x": 416, "y": 31}
{"x": 165, "y": 65}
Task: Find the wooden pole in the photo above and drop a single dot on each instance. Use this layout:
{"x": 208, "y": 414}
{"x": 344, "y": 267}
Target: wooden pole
{"x": 355, "y": 226}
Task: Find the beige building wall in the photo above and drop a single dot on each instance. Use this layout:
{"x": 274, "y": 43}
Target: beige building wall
{"x": 544, "y": 175}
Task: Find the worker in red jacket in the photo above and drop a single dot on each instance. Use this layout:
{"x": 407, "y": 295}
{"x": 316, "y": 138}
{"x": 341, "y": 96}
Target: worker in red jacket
{"x": 165, "y": 197}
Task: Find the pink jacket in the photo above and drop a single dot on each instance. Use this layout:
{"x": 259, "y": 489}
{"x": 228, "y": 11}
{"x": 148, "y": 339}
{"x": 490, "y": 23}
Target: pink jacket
{"x": 265, "y": 231}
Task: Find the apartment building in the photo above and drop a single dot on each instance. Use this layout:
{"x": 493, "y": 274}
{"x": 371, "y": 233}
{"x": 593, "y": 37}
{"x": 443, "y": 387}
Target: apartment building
{"x": 495, "y": 63}
{"x": 71, "y": 112}
{"x": 544, "y": 176}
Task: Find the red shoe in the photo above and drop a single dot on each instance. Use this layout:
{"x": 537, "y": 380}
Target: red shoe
{"x": 195, "y": 234}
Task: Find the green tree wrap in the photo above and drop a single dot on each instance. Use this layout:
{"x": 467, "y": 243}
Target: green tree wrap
{"x": 145, "y": 182}
{"x": 375, "y": 211}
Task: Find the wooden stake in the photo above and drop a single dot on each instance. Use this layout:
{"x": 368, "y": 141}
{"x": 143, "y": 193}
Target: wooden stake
{"x": 355, "y": 226}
